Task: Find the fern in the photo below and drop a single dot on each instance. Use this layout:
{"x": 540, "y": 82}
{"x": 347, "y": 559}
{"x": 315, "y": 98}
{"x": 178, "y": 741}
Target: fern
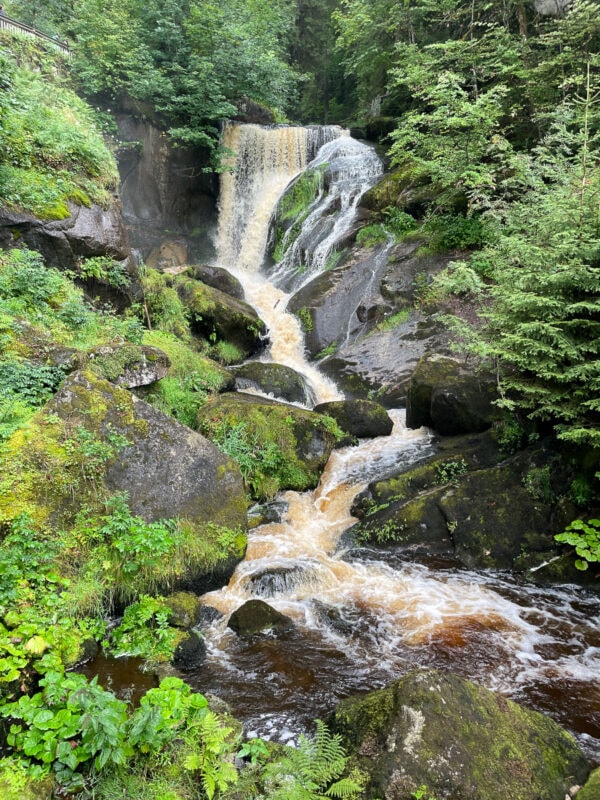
{"x": 311, "y": 771}
{"x": 210, "y": 758}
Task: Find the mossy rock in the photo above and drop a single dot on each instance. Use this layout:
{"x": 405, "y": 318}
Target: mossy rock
{"x": 279, "y": 380}
{"x": 591, "y": 790}
{"x": 186, "y": 609}
{"x": 447, "y": 397}
{"x": 218, "y": 278}
{"x": 457, "y": 739}
{"x": 360, "y": 418}
{"x": 128, "y": 365}
{"x": 190, "y": 652}
{"x": 402, "y": 188}
{"x": 94, "y": 439}
{"x": 219, "y": 317}
{"x": 282, "y": 446}
{"x": 14, "y": 785}
{"x": 255, "y": 616}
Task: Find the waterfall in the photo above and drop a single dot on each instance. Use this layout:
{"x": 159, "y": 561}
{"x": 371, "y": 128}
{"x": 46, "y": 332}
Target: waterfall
{"x": 261, "y": 162}
{"x": 345, "y": 169}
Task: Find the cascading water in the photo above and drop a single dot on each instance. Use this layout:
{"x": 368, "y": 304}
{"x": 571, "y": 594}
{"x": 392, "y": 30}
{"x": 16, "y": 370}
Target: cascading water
{"x": 360, "y": 622}
{"x": 345, "y": 169}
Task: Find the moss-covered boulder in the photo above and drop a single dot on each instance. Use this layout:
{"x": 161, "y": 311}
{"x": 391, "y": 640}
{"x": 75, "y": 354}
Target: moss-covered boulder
{"x": 218, "y": 278}
{"x": 279, "y": 380}
{"x": 219, "y": 317}
{"x": 278, "y": 446}
{"x": 460, "y": 741}
{"x": 128, "y": 365}
{"x": 93, "y": 439}
{"x": 255, "y": 616}
{"x": 471, "y": 501}
{"x": 16, "y": 785}
{"x": 360, "y": 418}
{"x": 403, "y": 188}
{"x": 446, "y": 396}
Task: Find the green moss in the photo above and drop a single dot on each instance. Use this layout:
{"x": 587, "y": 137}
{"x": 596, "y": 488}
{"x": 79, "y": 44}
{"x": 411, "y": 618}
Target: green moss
{"x": 276, "y": 446}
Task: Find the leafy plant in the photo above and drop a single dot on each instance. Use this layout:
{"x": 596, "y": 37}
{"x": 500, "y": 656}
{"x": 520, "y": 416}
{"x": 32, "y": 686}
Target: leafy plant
{"x": 144, "y": 631}
{"x": 371, "y": 236}
{"x": 585, "y": 538}
{"x": 448, "y": 471}
{"x": 312, "y": 770}
{"x": 105, "y": 269}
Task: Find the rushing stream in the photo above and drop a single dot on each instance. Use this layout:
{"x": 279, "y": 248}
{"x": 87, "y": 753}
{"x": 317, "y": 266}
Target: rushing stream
{"x": 363, "y": 620}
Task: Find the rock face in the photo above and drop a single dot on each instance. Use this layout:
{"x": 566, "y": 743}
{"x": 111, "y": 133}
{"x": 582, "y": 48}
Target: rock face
{"x": 166, "y": 195}
{"x": 87, "y": 232}
{"x": 277, "y": 379}
{"x": 256, "y": 616}
{"x": 460, "y": 741}
{"x": 129, "y": 365}
{"x": 449, "y": 398}
{"x": 468, "y": 501}
{"x": 360, "y": 418}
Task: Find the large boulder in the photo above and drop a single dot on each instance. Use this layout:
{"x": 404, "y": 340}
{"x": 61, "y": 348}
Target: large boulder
{"x": 86, "y": 232}
{"x": 474, "y": 503}
{"x": 448, "y": 397}
{"x": 284, "y": 447}
{"x": 219, "y": 317}
{"x": 360, "y": 418}
{"x": 94, "y": 439}
{"x": 218, "y": 278}
{"x": 277, "y": 379}
{"x": 456, "y": 739}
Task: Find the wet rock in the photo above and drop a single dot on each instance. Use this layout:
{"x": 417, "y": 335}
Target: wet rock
{"x": 382, "y": 363}
{"x": 328, "y": 305}
{"x": 128, "y": 365}
{"x": 340, "y": 620}
{"x": 208, "y": 615}
{"x": 443, "y": 394}
{"x": 252, "y": 112}
{"x": 255, "y": 616}
{"x": 217, "y": 317}
{"x": 186, "y": 609}
{"x": 459, "y": 740}
{"x": 168, "y": 199}
{"x": 267, "y": 512}
{"x": 277, "y": 379}
{"x": 190, "y": 652}
{"x": 360, "y": 418}
{"x": 218, "y": 278}
{"x": 281, "y": 579}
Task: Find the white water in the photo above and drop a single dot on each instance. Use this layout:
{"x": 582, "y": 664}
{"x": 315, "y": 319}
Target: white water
{"x": 362, "y": 622}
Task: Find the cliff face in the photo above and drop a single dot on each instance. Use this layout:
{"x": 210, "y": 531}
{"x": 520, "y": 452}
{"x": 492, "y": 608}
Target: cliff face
{"x": 169, "y": 202}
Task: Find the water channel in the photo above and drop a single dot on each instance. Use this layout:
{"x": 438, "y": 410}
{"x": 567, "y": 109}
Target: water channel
{"x": 366, "y": 618}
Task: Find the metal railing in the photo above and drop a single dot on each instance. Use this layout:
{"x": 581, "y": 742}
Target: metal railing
{"x": 9, "y": 24}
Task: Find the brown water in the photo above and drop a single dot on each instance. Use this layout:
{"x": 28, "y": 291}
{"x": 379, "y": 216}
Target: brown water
{"x": 363, "y": 622}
